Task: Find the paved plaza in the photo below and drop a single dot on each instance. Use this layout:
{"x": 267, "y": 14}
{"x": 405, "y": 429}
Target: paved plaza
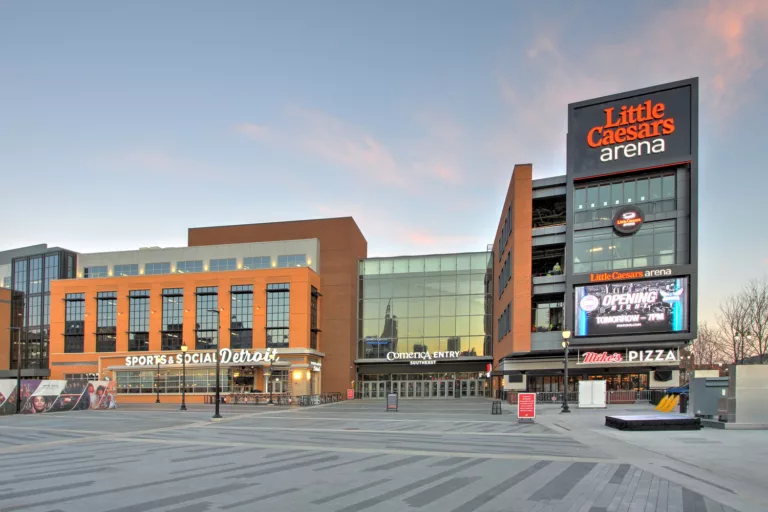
{"x": 440, "y": 455}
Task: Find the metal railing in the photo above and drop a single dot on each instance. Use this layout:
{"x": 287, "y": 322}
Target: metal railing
{"x": 277, "y": 399}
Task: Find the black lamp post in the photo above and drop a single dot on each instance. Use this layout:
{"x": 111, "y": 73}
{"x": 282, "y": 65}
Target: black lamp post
{"x": 566, "y": 344}
{"x": 216, "y": 414}
{"x": 18, "y": 369}
{"x": 183, "y": 376}
{"x": 271, "y": 383}
{"x": 157, "y": 383}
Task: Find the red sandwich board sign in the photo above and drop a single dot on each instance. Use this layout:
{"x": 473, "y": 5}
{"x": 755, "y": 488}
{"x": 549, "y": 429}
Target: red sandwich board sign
{"x": 526, "y": 406}
{"x": 350, "y": 394}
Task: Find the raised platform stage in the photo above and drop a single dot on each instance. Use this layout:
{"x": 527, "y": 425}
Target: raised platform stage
{"x": 661, "y": 421}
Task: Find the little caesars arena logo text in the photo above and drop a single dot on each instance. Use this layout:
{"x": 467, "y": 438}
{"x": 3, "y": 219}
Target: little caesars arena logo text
{"x": 628, "y": 132}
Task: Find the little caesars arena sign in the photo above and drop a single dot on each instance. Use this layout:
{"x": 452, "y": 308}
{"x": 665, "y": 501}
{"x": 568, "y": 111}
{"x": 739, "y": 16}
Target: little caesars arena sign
{"x": 226, "y": 356}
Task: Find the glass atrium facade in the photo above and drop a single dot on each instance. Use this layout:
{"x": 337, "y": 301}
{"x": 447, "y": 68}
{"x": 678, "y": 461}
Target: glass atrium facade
{"x": 425, "y": 304}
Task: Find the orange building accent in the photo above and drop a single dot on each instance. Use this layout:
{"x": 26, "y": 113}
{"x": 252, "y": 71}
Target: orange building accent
{"x": 89, "y": 361}
{"x": 519, "y": 287}
{"x": 5, "y": 333}
{"x": 342, "y": 245}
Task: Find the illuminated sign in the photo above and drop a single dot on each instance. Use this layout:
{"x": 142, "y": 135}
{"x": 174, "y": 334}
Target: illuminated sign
{"x": 633, "y": 274}
{"x": 632, "y": 307}
{"x": 633, "y": 130}
{"x": 630, "y": 356}
{"x": 422, "y": 358}
{"x": 226, "y": 356}
{"x": 628, "y": 220}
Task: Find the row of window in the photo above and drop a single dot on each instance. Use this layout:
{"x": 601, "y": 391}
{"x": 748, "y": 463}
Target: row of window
{"x": 182, "y": 267}
{"x": 34, "y": 275}
{"x": 479, "y": 262}
{"x": 426, "y": 327}
{"x": 506, "y": 230}
{"x": 421, "y": 286}
{"x": 461, "y": 305}
{"x": 624, "y": 192}
{"x": 207, "y": 319}
{"x": 603, "y": 249}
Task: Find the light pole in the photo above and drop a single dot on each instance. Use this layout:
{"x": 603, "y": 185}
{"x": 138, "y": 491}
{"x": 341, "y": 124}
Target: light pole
{"x": 566, "y": 344}
{"x": 270, "y": 383}
{"x": 157, "y": 383}
{"x": 216, "y": 414}
{"x": 183, "y": 376}
{"x": 18, "y": 369}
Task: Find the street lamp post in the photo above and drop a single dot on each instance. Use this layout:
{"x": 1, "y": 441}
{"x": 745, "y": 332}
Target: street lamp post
{"x": 157, "y": 383}
{"x": 270, "y": 383}
{"x": 566, "y": 344}
{"x": 18, "y": 369}
{"x": 216, "y": 414}
{"x": 183, "y": 376}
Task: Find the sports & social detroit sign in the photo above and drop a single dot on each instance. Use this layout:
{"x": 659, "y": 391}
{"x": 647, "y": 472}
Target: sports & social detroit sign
{"x": 630, "y": 131}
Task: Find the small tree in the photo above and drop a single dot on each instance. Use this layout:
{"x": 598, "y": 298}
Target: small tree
{"x": 734, "y": 322}
{"x": 709, "y": 348}
{"x": 755, "y": 296}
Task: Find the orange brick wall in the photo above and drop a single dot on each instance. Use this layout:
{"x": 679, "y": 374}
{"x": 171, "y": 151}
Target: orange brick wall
{"x": 341, "y": 246}
{"x": 301, "y": 280}
{"x": 519, "y": 288}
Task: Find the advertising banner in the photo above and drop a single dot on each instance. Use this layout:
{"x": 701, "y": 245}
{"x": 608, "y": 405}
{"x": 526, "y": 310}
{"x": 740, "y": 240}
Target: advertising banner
{"x": 526, "y": 405}
{"x": 635, "y": 130}
{"x": 632, "y": 307}
{"x": 42, "y": 396}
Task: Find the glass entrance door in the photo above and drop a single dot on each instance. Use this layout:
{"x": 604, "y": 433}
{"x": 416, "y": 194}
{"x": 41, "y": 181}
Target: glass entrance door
{"x": 375, "y": 389}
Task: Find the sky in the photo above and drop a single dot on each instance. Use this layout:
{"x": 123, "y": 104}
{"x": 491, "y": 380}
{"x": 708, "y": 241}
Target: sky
{"x": 122, "y": 124}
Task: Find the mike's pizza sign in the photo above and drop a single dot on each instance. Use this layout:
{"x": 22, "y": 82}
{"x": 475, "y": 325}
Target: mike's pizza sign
{"x": 631, "y": 131}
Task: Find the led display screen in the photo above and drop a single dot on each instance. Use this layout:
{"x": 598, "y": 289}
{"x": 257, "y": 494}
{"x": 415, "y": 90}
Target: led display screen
{"x": 632, "y": 307}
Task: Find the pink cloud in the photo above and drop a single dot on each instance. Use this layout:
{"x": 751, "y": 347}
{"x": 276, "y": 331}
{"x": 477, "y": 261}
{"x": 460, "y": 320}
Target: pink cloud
{"x": 252, "y": 131}
{"x": 721, "y": 41}
{"x": 401, "y": 237}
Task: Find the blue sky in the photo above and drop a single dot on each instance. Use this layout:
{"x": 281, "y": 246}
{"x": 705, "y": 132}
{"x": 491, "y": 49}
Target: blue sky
{"x": 122, "y": 124}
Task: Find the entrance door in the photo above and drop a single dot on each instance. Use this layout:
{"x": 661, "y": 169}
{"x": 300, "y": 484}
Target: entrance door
{"x": 463, "y": 388}
{"x": 449, "y": 387}
{"x": 382, "y": 393}
{"x": 419, "y": 391}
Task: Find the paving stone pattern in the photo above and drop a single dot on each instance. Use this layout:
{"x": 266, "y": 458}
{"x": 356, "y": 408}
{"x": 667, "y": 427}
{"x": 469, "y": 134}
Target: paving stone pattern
{"x": 348, "y": 457}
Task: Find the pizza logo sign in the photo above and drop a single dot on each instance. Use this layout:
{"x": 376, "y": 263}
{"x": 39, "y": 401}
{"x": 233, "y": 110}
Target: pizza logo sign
{"x": 628, "y": 220}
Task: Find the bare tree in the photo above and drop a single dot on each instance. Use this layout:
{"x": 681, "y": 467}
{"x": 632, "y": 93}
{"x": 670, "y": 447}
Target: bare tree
{"x": 733, "y": 321}
{"x": 709, "y": 348}
{"x": 755, "y": 296}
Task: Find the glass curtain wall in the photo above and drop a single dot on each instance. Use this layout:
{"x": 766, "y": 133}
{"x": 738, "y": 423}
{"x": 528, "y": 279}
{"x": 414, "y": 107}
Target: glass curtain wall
{"x": 425, "y": 304}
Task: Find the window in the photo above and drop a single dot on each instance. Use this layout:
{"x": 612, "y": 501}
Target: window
{"x": 277, "y": 382}
{"x": 278, "y": 314}
{"x": 183, "y": 267}
{"x": 504, "y": 322}
{"x": 547, "y": 314}
{"x": 207, "y": 325}
{"x": 173, "y": 319}
{"x": 313, "y": 329}
{"x": 138, "y": 321}
{"x": 51, "y": 270}
{"x": 153, "y": 269}
{"x": 223, "y": 265}
{"x": 100, "y": 271}
{"x": 170, "y": 381}
{"x": 106, "y": 321}
{"x": 20, "y": 275}
{"x": 70, "y": 266}
{"x": 36, "y": 275}
{"x": 506, "y": 273}
{"x": 601, "y": 250}
{"x": 126, "y": 270}
{"x": 292, "y": 260}
{"x": 241, "y": 326}
{"x": 7, "y": 282}
{"x": 506, "y": 230}
{"x": 74, "y": 323}
{"x": 257, "y": 262}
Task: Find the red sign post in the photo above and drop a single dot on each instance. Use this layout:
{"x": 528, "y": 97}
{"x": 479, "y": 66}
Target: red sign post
{"x": 526, "y": 406}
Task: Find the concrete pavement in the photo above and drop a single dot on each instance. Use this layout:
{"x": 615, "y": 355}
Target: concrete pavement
{"x": 431, "y": 455}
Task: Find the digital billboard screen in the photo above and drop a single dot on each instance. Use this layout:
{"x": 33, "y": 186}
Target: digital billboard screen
{"x": 632, "y": 307}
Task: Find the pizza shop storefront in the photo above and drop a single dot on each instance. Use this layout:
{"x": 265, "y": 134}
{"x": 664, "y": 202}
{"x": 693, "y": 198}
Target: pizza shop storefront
{"x": 623, "y": 370}
{"x": 424, "y": 375}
